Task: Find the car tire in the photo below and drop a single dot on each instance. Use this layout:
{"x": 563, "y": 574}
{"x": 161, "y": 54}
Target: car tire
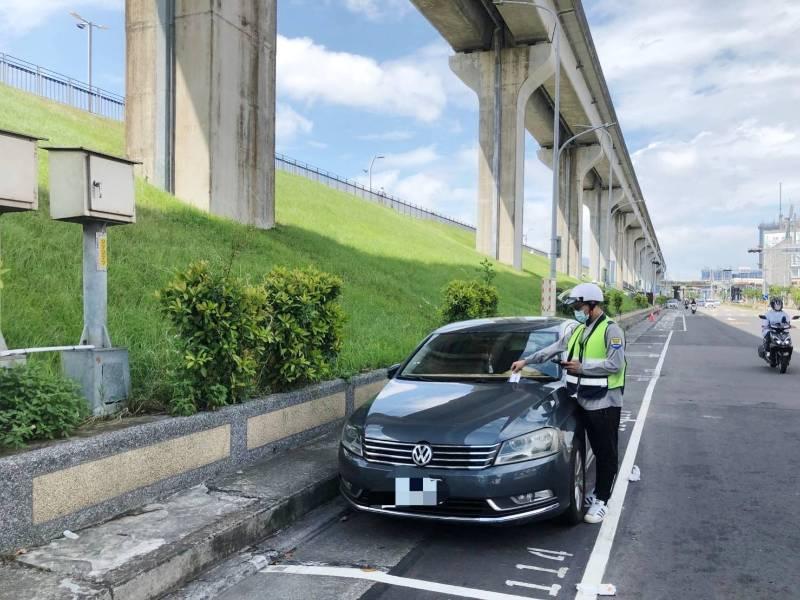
{"x": 577, "y": 463}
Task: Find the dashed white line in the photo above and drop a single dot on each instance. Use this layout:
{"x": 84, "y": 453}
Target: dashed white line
{"x": 596, "y": 567}
{"x": 381, "y": 577}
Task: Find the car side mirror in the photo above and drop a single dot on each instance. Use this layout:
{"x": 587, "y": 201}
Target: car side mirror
{"x": 761, "y": 317}
{"x": 392, "y": 371}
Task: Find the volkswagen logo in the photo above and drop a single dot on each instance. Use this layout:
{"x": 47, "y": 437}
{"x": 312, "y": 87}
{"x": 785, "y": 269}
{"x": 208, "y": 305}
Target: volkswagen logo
{"x": 422, "y": 454}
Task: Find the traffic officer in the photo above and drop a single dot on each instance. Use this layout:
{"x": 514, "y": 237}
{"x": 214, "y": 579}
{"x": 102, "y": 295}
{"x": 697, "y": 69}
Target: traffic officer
{"x": 595, "y": 368}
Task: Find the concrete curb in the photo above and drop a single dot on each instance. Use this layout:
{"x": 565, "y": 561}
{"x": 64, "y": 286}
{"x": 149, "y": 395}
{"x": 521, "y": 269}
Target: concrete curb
{"x": 167, "y": 545}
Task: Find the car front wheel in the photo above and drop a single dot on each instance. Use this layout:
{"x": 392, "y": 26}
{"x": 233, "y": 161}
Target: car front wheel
{"x": 574, "y": 513}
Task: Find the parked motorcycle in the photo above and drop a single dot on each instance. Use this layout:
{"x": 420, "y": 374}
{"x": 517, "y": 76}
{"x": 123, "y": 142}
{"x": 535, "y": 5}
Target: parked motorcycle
{"x": 777, "y": 347}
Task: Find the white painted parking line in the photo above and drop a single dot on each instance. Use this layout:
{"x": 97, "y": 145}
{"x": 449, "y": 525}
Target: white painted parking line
{"x": 381, "y": 577}
{"x": 596, "y": 567}
{"x": 551, "y": 590}
{"x": 640, "y": 355}
{"x": 560, "y": 573}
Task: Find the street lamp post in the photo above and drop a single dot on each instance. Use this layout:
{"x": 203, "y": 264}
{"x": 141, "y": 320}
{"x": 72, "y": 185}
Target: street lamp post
{"x": 760, "y": 250}
{"x": 369, "y": 171}
{"x": 88, "y": 26}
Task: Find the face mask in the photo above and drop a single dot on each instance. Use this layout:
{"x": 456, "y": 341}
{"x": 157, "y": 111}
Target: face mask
{"x": 581, "y": 317}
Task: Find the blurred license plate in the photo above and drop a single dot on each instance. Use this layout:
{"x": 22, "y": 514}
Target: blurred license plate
{"x": 416, "y": 491}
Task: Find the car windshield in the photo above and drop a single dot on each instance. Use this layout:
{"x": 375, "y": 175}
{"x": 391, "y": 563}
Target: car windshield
{"x": 481, "y": 355}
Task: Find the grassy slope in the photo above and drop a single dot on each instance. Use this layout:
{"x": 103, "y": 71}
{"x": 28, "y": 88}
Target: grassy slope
{"x": 393, "y": 266}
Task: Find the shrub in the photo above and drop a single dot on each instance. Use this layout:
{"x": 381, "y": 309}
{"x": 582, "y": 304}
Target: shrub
{"x": 641, "y": 301}
{"x": 614, "y": 300}
{"x": 35, "y": 404}
{"x": 464, "y": 300}
{"x": 662, "y": 299}
{"x": 303, "y": 323}
{"x": 219, "y": 322}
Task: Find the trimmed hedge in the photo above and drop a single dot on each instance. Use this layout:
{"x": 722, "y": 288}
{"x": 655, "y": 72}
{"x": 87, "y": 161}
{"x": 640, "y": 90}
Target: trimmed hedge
{"x": 465, "y": 300}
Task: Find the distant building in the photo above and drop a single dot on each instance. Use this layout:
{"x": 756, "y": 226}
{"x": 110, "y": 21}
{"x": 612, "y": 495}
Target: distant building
{"x": 719, "y": 274}
{"x": 780, "y": 255}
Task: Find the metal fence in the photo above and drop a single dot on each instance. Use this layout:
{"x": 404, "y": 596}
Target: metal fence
{"x": 354, "y": 188}
{"x": 26, "y": 76}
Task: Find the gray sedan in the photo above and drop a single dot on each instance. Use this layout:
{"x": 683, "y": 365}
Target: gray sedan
{"x": 453, "y": 437}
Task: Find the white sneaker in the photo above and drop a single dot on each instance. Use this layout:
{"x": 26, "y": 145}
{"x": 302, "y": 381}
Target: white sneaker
{"x": 596, "y": 513}
{"x": 588, "y": 500}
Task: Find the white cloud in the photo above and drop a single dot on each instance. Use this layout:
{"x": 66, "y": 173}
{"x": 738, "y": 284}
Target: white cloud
{"x": 18, "y": 17}
{"x": 708, "y": 101}
{"x": 289, "y": 124}
{"x": 377, "y": 10}
{"x": 419, "y": 157}
{"x": 311, "y": 73}
{"x": 397, "y": 135}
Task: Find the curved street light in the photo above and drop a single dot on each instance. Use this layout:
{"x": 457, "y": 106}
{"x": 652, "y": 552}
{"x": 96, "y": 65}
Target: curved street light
{"x": 374, "y": 158}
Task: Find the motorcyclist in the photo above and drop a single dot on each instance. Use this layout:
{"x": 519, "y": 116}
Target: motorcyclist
{"x": 774, "y": 316}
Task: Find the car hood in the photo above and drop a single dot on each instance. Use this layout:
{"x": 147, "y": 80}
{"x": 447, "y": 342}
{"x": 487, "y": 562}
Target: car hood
{"x": 458, "y": 413}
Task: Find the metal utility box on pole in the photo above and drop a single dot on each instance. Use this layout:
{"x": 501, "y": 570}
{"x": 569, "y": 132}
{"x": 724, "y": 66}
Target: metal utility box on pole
{"x": 97, "y": 191}
{"x": 19, "y": 191}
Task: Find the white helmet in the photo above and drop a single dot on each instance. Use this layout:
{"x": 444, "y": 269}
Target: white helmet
{"x": 584, "y": 292}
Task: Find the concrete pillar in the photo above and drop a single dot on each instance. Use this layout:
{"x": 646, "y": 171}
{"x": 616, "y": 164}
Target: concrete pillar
{"x": 638, "y": 249}
{"x": 562, "y": 213}
{"x": 603, "y": 233}
{"x": 201, "y": 102}
{"x": 582, "y": 159}
{"x": 148, "y": 88}
{"x": 634, "y": 234}
{"x": 620, "y": 249}
{"x": 501, "y": 178}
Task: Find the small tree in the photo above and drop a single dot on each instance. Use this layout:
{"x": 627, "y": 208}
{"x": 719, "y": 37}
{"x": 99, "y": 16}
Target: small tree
{"x": 487, "y": 271}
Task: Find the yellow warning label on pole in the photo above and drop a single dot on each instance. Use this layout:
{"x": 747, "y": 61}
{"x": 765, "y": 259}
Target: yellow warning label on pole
{"x": 102, "y": 251}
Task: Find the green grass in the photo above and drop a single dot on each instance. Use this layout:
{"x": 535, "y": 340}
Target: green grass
{"x": 393, "y": 266}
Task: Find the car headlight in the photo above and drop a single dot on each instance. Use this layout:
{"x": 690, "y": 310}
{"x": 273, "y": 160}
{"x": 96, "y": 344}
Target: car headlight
{"x": 352, "y": 438}
{"x": 529, "y": 446}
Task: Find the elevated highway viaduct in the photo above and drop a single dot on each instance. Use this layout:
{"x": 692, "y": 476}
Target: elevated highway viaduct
{"x": 201, "y": 118}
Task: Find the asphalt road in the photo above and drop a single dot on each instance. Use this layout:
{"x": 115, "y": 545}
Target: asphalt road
{"x": 715, "y": 514}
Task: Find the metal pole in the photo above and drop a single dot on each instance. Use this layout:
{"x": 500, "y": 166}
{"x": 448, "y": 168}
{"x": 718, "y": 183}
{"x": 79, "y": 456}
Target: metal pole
{"x": 89, "y": 28}
{"x": 95, "y": 286}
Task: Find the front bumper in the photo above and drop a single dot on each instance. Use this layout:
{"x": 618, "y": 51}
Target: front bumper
{"x": 475, "y": 496}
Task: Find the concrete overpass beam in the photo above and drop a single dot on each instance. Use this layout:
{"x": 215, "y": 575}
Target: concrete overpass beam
{"x": 201, "y": 102}
{"x": 502, "y": 152}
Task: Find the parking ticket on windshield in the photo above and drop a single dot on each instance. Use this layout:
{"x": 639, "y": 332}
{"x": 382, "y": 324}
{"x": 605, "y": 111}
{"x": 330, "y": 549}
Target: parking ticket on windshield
{"x": 515, "y": 378}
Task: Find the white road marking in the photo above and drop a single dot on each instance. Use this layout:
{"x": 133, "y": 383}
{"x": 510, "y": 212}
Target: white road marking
{"x": 549, "y": 554}
{"x": 560, "y": 573}
{"x": 598, "y": 560}
{"x": 552, "y": 590}
{"x": 381, "y": 577}
{"x": 647, "y": 355}
{"x": 684, "y": 321}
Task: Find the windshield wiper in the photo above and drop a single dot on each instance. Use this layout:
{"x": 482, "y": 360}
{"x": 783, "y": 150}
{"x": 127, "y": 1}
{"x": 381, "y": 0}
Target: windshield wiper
{"x": 418, "y": 378}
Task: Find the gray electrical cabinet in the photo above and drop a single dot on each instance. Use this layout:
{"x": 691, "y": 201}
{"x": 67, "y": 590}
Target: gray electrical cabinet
{"x": 19, "y": 189}
{"x": 91, "y": 186}
{"x": 95, "y": 190}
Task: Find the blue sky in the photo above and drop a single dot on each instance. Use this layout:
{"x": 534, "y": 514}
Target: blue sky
{"x": 706, "y": 101}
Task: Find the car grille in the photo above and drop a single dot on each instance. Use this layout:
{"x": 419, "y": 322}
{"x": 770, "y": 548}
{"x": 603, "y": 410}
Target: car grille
{"x": 444, "y": 456}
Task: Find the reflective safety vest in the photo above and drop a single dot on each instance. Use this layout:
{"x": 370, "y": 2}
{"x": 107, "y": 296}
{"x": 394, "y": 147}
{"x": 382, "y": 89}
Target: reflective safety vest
{"x": 591, "y": 352}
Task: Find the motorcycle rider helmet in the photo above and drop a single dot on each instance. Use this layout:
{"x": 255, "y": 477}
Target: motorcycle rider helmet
{"x": 776, "y": 304}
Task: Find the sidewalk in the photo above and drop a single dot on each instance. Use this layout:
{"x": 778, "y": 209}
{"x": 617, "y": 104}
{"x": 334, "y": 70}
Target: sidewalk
{"x": 144, "y": 554}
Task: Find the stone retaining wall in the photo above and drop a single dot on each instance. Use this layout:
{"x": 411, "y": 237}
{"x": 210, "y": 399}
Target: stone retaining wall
{"x": 83, "y": 481}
